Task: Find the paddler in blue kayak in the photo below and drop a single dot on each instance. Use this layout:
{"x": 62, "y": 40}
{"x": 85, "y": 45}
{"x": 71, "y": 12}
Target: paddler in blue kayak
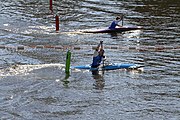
{"x": 98, "y": 56}
{"x": 115, "y": 23}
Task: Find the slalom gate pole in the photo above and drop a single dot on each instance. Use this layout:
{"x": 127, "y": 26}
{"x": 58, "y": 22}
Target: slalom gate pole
{"x": 50, "y": 5}
{"x": 68, "y": 61}
{"x": 57, "y": 23}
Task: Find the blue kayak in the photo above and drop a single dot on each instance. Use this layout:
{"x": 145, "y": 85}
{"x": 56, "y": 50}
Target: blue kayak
{"x": 118, "y": 29}
{"x": 113, "y": 66}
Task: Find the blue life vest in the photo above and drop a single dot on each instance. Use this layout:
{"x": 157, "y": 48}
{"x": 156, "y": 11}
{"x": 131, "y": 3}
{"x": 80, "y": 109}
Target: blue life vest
{"x": 113, "y": 25}
{"x": 96, "y": 61}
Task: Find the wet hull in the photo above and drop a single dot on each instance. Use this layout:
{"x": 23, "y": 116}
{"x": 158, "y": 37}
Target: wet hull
{"x": 109, "y": 67}
{"x": 120, "y": 29}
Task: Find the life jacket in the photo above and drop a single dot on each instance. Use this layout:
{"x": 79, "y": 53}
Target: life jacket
{"x": 96, "y": 61}
{"x": 113, "y": 24}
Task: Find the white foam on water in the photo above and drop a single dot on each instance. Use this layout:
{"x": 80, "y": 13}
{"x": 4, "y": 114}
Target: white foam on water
{"x": 25, "y": 69}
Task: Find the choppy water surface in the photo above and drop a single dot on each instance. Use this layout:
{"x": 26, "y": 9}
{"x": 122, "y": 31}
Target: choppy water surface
{"x": 32, "y": 81}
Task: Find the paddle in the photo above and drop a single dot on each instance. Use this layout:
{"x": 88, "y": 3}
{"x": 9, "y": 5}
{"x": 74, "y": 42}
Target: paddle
{"x": 101, "y": 43}
{"x": 122, "y": 18}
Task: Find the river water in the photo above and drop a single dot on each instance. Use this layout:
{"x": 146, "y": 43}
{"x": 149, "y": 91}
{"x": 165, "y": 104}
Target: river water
{"x": 33, "y": 84}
